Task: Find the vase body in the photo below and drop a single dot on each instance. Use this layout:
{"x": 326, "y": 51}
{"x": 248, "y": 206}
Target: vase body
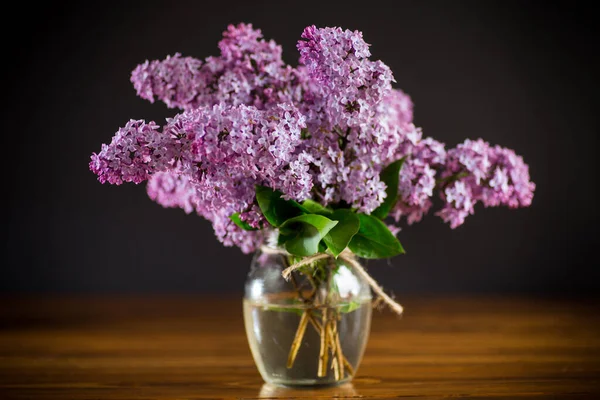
{"x": 308, "y": 330}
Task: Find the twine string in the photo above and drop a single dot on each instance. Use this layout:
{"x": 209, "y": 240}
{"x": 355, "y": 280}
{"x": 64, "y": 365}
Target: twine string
{"x": 346, "y": 256}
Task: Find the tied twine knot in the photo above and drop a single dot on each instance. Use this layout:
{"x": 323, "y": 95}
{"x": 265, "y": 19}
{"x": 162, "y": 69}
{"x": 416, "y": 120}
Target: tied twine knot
{"x": 346, "y": 256}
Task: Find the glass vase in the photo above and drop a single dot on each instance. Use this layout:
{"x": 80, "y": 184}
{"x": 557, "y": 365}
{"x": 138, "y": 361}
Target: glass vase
{"x": 310, "y": 329}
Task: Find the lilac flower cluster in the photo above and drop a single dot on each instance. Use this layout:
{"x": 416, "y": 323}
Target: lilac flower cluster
{"x": 323, "y": 130}
{"x": 249, "y": 71}
{"x": 417, "y": 176}
{"x": 136, "y": 151}
{"x": 229, "y": 149}
{"x": 354, "y": 115}
{"x": 476, "y": 171}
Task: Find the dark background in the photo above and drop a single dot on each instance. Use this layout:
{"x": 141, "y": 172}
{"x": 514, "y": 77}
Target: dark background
{"x": 519, "y": 74}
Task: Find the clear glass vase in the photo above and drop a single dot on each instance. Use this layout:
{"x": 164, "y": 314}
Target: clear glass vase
{"x": 311, "y": 329}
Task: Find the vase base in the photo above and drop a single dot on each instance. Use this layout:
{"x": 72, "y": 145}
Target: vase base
{"x": 307, "y": 383}
{"x": 344, "y": 390}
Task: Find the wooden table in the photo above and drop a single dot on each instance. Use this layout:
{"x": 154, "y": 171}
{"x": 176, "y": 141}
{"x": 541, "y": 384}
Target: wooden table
{"x": 195, "y": 348}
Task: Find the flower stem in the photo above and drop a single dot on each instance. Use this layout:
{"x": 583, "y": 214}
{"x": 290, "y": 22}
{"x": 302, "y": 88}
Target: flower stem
{"x": 340, "y": 360}
{"x": 331, "y": 342}
{"x": 327, "y": 327}
{"x": 336, "y": 369}
{"x": 297, "y": 339}
{"x": 323, "y": 353}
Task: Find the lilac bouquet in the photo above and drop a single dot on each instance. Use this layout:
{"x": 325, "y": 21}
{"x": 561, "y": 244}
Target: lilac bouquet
{"x": 305, "y": 163}
{"x": 322, "y": 152}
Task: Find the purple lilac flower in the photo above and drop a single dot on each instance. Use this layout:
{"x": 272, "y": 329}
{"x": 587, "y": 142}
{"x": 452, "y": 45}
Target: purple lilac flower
{"x": 332, "y": 53}
{"x": 470, "y": 157}
{"x": 357, "y": 113}
{"x": 236, "y": 148}
{"x": 231, "y": 235}
{"x": 418, "y": 176}
{"x": 493, "y": 175}
{"x": 244, "y": 47}
{"x": 249, "y": 71}
{"x": 175, "y": 80}
{"x": 214, "y": 157}
{"x": 136, "y": 151}
{"x": 323, "y": 130}
{"x": 352, "y": 133}
{"x": 351, "y": 84}
{"x": 509, "y": 183}
{"x": 393, "y": 122}
{"x": 459, "y": 203}
{"x": 173, "y": 190}
{"x": 257, "y": 145}
{"x": 395, "y": 111}
{"x": 363, "y": 188}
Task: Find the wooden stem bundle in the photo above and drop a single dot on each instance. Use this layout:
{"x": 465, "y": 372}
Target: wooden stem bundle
{"x": 327, "y": 328}
{"x": 330, "y": 350}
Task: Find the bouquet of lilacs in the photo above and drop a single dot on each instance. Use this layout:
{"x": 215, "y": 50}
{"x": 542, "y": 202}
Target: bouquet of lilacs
{"x": 317, "y": 162}
{"x": 322, "y": 152}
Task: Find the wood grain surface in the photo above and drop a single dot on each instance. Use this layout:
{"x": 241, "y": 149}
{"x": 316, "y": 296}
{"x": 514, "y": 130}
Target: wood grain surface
{"x": 196, "y": 348}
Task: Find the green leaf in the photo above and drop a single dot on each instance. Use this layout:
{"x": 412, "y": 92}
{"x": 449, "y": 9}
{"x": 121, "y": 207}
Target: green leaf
{"x": 349, "y": 307}
{"x": 338, "y": 238}
{"x": 322, "y": 247}
{"x": 295, "y": 310}
{"x": 315, "y": 208}
{"x": 276, "y": 209}
{"x": 301, "y": 235}
{"x": 242, "y": 224}
{"x": 374, "y": 239}
{"x": 389, "y": 176}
